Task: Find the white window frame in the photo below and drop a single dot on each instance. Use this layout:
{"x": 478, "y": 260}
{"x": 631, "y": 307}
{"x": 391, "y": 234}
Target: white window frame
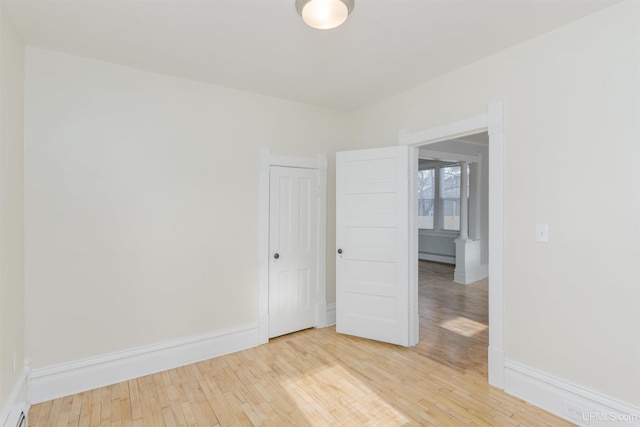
{"x": 438, "y": 217}
{"x": 435, "y": 198}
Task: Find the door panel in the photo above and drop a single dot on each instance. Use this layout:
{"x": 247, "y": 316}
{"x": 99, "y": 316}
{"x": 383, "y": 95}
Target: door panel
{"x": 292, "y": 274}
{"x": 372, "y": 281}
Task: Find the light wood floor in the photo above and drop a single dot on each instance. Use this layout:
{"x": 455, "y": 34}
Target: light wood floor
{"x": 319, "y": 378}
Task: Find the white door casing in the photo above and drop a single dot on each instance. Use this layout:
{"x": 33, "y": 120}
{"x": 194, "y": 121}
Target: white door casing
{"x": 372, "y": 277}
{"x": 292, "y": 245}
{"x": 491, "y": 122}
{"x": 265, "y": 256}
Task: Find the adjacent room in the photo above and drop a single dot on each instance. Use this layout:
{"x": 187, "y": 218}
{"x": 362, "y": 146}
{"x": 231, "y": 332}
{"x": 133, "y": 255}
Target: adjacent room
{"x": 240, "y": 213}
{"x": 453, "y": 249}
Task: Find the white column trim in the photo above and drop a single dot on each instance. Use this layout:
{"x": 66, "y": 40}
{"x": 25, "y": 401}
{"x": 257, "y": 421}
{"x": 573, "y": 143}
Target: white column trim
{"x": 475, "y": 196}
{"x": 464, "y": 202}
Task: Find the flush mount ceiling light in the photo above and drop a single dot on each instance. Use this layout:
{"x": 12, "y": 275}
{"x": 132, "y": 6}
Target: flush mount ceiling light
{"x": 324, "y": 14}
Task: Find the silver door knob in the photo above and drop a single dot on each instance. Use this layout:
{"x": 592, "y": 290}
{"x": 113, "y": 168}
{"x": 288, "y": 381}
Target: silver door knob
{"x": 340, "y": 251}
{"x": 276, "y": 255}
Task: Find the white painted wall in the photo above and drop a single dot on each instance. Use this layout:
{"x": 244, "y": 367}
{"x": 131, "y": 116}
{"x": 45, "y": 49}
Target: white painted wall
{"x": 11, "y": 214}
{"x": 571, "y": 99}
{"x": 142, "y": 203}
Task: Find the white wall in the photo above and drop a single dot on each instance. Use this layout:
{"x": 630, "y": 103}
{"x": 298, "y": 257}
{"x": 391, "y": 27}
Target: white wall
{"x": 11, "y": 215}
{"x": 571, "y": 100}
{"x": 142, "y": 203}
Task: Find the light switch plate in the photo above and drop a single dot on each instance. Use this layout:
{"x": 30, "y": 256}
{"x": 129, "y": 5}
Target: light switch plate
{"x": 542, "y": 233}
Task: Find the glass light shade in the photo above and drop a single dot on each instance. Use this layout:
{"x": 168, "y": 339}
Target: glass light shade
{"x": 325, "y": 14}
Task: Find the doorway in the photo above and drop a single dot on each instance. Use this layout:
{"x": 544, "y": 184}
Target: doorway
{"x": 492, "y": 123}
{"x": 304, "y": 178}
{"x": 453, "y": 252}
{"x": 444, "y": 169}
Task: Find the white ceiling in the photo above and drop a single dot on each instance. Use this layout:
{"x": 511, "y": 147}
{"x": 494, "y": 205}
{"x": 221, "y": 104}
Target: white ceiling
{"x": 263, "y": 46}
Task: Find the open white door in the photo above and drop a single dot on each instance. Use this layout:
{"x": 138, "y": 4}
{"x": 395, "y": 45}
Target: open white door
{"x": 372, "y": 266}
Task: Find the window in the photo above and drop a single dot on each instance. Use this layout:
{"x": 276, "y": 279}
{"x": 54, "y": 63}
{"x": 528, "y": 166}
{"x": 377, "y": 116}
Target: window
{"x": 450, "y": 198}
{"x": 426, "y": 198}
{"x": 439, "y": 198}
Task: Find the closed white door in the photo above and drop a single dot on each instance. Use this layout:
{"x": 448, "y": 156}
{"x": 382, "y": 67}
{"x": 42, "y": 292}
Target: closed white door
{"x": 293, "y": 249}
{"x": 372, "y": 273}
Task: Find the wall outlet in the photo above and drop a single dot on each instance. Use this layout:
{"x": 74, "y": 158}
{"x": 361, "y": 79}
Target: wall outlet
{"x": 576, "y": 412}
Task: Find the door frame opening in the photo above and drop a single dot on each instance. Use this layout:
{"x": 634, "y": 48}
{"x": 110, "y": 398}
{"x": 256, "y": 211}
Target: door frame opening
{"x": 492, "y": 123}
{"x": 319, "y": 164}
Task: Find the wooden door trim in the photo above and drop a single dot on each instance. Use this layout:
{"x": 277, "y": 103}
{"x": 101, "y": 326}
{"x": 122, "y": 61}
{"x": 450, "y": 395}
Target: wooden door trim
{"x": 318, "y": 163}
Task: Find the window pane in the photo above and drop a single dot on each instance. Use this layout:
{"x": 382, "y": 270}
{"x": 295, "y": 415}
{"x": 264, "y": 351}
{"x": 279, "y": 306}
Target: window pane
{"x": 450, "y": 197}
{"x": 426, "y": 196}
{"x": 450, "y": 214}
{"x": 450, "y": 182}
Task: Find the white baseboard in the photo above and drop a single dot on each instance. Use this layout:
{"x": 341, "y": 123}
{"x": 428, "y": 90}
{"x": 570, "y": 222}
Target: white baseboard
{"x": 471, "y": 275}
{"x": 446, "y": 259}
{"x": 17, "y": 402}
{"x": 82, "y": 375}
{"x": 569, "y": 401}
{"x": 331, "y": 314}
